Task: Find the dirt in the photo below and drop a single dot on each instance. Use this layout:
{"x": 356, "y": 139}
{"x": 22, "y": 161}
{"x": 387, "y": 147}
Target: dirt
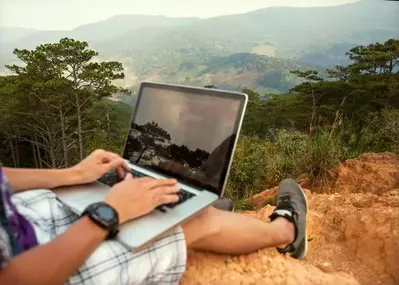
{"x": 353, "y": 233}
{"x": 370, "y": 173}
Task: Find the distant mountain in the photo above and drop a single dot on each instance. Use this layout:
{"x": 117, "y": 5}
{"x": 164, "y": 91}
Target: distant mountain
{"x": 234, "y": 72}
{"x": 13, "y": 34}
{"x": 171, "y": 49}
{"x": 99, "y": 31}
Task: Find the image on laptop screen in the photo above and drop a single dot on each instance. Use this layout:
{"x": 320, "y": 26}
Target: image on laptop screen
{"x": 183, "y": 134}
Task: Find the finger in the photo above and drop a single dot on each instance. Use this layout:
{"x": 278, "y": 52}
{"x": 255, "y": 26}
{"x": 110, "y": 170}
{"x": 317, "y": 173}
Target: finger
{"x": 124, "y": 168}
{"x": 113, "y": 164}
{"x": 145, "y": 180}
{"x": 155, "y": 183}
{"x": 128, "y": 176}
{"x": 166, "y": 199}
{"x": 120, "y": 172}
{"x": 166, "y": 190}
{"x": 107, "y": 156}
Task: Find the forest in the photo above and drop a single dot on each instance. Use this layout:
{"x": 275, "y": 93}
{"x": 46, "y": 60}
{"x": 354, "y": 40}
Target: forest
{"x": 58, "y": 105}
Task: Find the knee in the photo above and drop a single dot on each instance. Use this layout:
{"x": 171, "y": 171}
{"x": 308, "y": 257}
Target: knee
{"x": 209, "y": 218}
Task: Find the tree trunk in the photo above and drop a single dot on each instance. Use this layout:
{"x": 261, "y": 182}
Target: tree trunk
{"x": 34, "y": 153}
{"x": 141, "y": 154}
{"x": 312, "y": 119}
{"x": 80, "y": 138}
{"x": 338, "y": 117}
{"x": 52, "y": 149}
{"x": 108, "y": 121}
{"x": 39, "y": 155}
{"x": 64, "y": 142}
{"x": 14, "y": 161}
{"x": 16, "y": 152}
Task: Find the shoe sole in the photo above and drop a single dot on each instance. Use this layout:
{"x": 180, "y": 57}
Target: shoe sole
{"x": 303, "y": 253}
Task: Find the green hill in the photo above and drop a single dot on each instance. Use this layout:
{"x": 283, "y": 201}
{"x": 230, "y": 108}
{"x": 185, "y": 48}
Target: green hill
{"x": 190, "y": 49}
{"x": 235, "y": 72}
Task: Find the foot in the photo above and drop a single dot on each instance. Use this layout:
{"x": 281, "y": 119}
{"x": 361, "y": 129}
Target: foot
{"x": 224, "y": 204}
{"x": 292, "y": 205}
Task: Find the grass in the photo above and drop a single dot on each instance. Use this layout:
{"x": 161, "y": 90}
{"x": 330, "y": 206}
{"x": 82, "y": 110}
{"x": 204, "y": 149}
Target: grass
{"x": 260, "y": 164}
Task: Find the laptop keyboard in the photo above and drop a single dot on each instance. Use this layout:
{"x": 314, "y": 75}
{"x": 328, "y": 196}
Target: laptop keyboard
{"x": 111, "y": 178}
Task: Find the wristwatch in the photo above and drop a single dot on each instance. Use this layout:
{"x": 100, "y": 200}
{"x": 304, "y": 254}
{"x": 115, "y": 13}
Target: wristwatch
{"x": 104, "y": 216}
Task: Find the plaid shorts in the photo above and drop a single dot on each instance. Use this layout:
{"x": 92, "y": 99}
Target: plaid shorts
{"x": 162, "y": 262}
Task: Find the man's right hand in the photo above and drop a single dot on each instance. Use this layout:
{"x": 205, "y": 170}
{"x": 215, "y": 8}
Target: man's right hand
{"x": 135, "y": 197}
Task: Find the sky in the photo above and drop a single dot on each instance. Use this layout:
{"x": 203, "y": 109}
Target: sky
{"x": 190, "y": 119}
{"x": 69, "y": 14}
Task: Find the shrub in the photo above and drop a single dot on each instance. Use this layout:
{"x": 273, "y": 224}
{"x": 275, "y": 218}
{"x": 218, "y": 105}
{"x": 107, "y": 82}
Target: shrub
{"x": 390, "y": 128}
{"x": 324, "y": 152}
{"x": 260, "y": 163}
{"x": 247, "y": 173}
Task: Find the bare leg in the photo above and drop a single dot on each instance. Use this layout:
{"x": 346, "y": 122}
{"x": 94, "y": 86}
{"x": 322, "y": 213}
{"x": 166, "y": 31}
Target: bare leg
{"x": 233, "y": 233}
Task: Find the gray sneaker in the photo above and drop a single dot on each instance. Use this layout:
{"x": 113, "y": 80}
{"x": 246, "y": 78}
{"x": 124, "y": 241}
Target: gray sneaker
{"x": 292, "y": 205}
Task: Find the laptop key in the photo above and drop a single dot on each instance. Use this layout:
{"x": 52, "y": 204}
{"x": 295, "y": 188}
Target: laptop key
{"x": 110, "y": 178}
{"x": 183, "y": 196}
{"x": 160, "y": 208}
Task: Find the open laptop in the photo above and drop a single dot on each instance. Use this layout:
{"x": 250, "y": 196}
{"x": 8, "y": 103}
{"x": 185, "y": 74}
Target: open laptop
{"x": 187, "y": 133}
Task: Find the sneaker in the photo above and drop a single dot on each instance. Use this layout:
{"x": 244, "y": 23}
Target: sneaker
{"x": 292, "y": 205}
{"x": 225, "y": 205}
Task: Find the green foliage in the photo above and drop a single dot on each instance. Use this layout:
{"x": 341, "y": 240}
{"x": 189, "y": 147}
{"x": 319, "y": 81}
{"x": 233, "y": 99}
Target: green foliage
{"x": 321, "y": 159}
{"x": 390, "y": 128}
{"x": 380, "y": 133}
{"x": 51, "y": 103}
{"x": 260, "y": 163}
{"x": 321, "y": 122}
{"x": 263, "y": 163}
{"x": 110, "y": 122}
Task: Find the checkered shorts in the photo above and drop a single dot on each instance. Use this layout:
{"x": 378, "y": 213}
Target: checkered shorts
{"x": 163, "y": 262}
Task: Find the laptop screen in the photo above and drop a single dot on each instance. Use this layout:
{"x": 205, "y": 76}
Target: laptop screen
{"x": 186, "y": 133}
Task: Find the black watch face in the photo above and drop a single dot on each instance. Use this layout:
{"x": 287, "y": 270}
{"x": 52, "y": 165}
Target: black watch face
{"x": 106, "y": 213}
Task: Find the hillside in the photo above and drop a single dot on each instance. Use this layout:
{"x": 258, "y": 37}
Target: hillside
{"x": 234, "y": 72}
{"x": 353, "y": 235}
{"x": 174, "y": 49}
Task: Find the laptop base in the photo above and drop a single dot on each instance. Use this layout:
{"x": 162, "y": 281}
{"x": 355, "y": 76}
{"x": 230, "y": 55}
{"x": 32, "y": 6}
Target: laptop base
{"x": 139, "y": 232}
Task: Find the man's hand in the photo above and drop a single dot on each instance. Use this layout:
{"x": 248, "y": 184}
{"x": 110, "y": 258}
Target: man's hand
{"x": 97, "y": 164}
{"x": 135, "y": 197}
{"x": 91, "y": 168}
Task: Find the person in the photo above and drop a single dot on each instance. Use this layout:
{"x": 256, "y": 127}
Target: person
{"x": 43, "y": 242}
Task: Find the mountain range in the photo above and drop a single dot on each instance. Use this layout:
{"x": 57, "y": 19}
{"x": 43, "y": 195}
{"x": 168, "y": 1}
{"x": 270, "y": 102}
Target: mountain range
{"x": 250, "y": 50}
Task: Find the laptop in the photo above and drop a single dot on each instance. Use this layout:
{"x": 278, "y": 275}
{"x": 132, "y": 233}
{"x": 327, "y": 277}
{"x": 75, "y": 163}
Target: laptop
{"x": 184, "y": 132}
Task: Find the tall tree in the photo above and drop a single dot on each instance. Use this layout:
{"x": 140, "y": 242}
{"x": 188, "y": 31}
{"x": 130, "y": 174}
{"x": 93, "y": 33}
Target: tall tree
{"x": 311, "y": 77}
{"x": 90, "y": 80}
{"x": 60, "y": 81}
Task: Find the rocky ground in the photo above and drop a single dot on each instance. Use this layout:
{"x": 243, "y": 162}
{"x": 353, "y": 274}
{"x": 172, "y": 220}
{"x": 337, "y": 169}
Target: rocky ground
{"x": 353, "y": 233}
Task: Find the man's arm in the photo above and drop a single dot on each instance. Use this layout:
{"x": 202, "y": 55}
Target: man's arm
{"x": 91, "y": 168}
{"x": 54, "y": 262}
{"x": 24, "y": 179}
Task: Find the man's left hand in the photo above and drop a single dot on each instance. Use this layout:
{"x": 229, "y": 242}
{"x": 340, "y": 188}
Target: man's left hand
{"x": 97, "y": 164}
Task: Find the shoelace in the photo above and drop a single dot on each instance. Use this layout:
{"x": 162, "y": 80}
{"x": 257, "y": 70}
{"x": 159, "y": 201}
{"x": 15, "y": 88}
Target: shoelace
{"x": 286, "y": 203}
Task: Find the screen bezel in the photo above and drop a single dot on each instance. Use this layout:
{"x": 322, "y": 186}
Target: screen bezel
{"x": 241, "y": 97}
